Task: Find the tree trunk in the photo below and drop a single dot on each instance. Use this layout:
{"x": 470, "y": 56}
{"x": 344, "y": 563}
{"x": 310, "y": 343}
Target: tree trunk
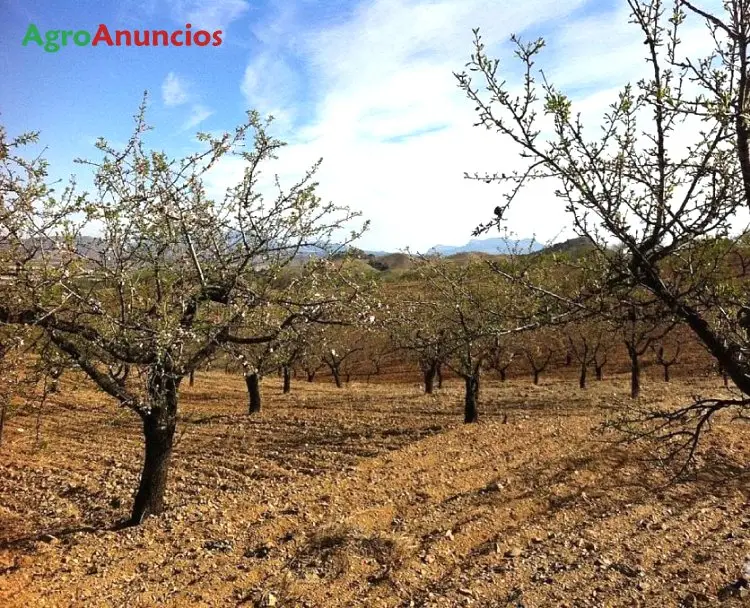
{"x": 192, "y": 377}
{"x": 158, "y": 431}
{"x": 666, "y": 373}
{"x": 502, "y": 374}
{"x": 470, "y": 399}
{"x": 429, "y": 378}
{"x": 287, "y": 380}
{"x": 635, "y": 374}
{"x": 599, "y": 370}
{"x": 336, "y": 376}
{"x": 582, "y": 379}
{"x": 568, "y": 359}
{"x": 253, "y": 393}
{"x": 150, "y": 497}
{"x": 310, "y": 376}
{"x": 536, "y": 376}
{"x": 439, "y": 373}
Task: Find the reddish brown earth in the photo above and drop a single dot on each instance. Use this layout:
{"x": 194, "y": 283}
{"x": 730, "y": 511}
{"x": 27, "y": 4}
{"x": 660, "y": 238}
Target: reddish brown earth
{"x": 372, "y": 495}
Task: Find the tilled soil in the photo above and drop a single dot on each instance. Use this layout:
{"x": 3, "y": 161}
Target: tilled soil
{"x": 371, "y": 495}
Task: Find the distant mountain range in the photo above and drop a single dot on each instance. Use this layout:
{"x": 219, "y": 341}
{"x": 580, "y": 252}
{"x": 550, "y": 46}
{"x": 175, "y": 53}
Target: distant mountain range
{"x": 495, "y": 246}
{"x": 491, "y": 245}
{"x": 94, "y": 247}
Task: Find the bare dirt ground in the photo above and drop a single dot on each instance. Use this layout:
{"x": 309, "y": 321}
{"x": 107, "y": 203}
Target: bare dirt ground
{"x": 372, "y": 495}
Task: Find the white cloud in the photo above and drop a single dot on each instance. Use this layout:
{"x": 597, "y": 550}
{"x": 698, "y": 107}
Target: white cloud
{"x": 270, "y": 86}
{"x": 173, "y": 91}
{"x": 198, "y": 113}
{"x": 392, "y": 126}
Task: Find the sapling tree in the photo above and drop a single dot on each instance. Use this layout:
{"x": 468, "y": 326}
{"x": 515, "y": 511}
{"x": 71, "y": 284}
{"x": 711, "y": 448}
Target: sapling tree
{"x": 585, "y": 341}
{"x": 414, "y": 327}
{"x": 378, "y": 351}
{"x": 343, "y": 340}
{"x": 666, "y": 360}
{"x": 539, "y": 348}
{"x": 500, "y": 356}
{"x": 310, "y": 357}
{"x": 668, "y": 350}
{"x": 340, "y": 345}
{"x": 336, "y": 298}
{"x": 642, "y": 324}
{"x": 140, "y": 281}
{"x": 472, "y": 307}
{"x": 463, "y": 324}
{"x": 256, "y": 361}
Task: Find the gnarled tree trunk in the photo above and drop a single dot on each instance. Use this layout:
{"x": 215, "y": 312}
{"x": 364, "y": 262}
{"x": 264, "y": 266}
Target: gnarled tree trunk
{"x": 287, "y": 379}
{"x": 158, "y": 431}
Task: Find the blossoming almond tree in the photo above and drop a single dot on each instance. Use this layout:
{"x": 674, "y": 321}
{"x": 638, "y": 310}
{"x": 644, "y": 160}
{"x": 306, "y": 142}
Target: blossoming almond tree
{"x": 140, "y": 281}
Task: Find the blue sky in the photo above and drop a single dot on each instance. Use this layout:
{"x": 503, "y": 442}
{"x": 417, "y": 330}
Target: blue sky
{"x": 367, "y": 85}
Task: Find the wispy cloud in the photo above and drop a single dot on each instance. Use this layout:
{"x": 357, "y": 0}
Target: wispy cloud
{"x": 198, "y": 113}
{"x": 271, "y": 86}
{"x": 174, "y": 91}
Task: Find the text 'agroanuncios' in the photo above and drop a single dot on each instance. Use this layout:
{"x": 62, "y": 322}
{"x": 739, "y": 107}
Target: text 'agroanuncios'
{"x": 53, "y": 40}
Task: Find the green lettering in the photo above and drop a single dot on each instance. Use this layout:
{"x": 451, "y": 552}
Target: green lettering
{"x": 51, "y": 37}
{"x": 32, "y": 35}
{"x": 82, "y": 38}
